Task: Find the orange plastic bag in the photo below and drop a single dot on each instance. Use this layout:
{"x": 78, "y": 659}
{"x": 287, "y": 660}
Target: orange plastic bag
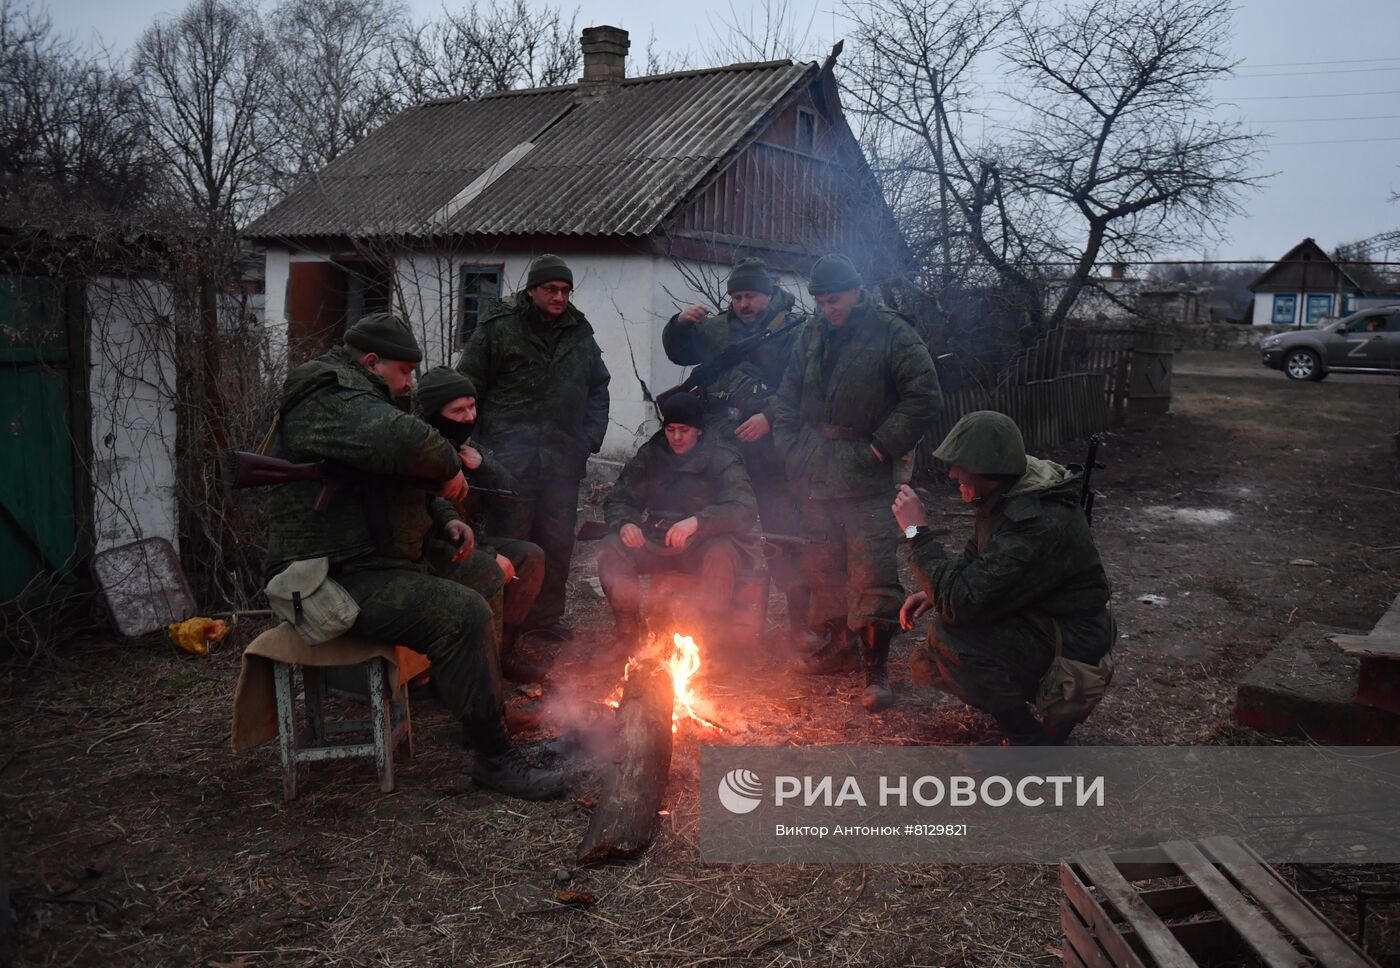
{"x": 194, "y": 634}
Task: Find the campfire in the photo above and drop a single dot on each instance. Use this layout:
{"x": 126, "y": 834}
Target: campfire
{"x": 682, "y": 661}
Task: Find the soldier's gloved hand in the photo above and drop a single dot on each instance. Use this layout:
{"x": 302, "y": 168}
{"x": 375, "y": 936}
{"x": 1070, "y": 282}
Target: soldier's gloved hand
{"x": 460, "y": 534}
{"x": 632, "y": 536}
{"x": 454, "y": 489}
{"x": 755, "y": 428}
{"x": 471, "y": 457}
{"x": 914, "y": 607}
{"x": 681, "y": 532}
{"x": 693, "y": 314}
{"x": 908, "y": 509}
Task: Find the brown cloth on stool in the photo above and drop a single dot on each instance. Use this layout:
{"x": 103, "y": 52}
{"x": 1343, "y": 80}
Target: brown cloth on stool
{"x": 255, "y": 699}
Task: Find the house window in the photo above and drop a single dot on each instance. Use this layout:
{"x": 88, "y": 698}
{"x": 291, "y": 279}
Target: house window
{"x": 806, "y": 131}
{"x": 481, "y": 289}
{"x": 1319, "y": 308}
{"x": 1285, "y": 310}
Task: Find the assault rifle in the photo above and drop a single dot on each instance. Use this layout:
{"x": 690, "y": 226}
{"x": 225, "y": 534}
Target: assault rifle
{"x": 708, "y": 372}
{"x": 257, "y": 470}
{"x": 1086, "y": 491}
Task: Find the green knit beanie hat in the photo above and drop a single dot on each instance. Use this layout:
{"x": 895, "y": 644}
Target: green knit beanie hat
{"x": 439, "y": 387}
{"x": 548, "y": 268}
{"x": 750, "y": 275}
{"x": 385, "y": 334}
{"x": 833, "y": 273}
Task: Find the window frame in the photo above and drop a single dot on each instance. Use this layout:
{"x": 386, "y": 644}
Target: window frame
{"x": 474, "y": 268}
{"x": 810, "y": 149}
{"x": 1281, "y": 299}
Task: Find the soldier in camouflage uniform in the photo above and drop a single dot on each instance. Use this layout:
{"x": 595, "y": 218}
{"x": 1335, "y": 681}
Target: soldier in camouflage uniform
{"x": 698, "y": 491}
{"x": 447, "y": 401}
{"x": 544, "y": 409}
{"x": 340, "y": 407}
{"x": 1029, "y": 574}
{"x": 740, "y": 401}
{"x": 859, "y": 393}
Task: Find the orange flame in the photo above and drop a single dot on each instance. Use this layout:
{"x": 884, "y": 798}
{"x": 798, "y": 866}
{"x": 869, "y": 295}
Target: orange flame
{"x": 683, "y": 663}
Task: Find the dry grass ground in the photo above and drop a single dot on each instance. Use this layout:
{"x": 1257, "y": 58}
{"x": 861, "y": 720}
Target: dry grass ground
{"x": 136, "y": 838}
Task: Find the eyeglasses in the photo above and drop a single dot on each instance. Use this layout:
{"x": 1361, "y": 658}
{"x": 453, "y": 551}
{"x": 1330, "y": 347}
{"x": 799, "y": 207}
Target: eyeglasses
{"x": 556, "y": 290}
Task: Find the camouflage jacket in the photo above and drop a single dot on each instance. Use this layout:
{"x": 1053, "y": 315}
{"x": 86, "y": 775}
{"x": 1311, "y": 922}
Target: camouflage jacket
{"x": 334, "y": 409}
{"x": 1031, "y": 549}
{"x": 709, "y": 483}
{"x": 543, "y": 390}
{"x": 870, "y": 381}
{"x": 750, "y": 384}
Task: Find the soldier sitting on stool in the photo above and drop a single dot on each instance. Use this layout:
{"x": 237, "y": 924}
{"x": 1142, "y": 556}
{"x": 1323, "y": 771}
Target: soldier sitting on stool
{"x": 677, "y": 507}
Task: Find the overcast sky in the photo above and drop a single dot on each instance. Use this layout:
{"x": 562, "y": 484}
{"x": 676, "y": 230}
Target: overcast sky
{"x": 1321, "y": 80}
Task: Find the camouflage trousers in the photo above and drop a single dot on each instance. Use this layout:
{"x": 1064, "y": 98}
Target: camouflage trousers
{"x": 545, "y": 513}
{"x": 997, "y": 666}
{"x": 851, "y": 565}
{"x": 717, "y": 561}
{"x": 780, "y": 511}
{"x": 510, "y": 600}
{"x": 442, "y": 618}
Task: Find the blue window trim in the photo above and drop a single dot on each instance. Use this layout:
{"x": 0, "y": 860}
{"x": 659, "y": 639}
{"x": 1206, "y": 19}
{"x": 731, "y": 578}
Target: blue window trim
{"x": 1280, "y": 301}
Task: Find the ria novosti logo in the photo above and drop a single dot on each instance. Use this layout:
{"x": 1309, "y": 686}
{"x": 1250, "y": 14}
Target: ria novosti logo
{"x": 740, "y": 791}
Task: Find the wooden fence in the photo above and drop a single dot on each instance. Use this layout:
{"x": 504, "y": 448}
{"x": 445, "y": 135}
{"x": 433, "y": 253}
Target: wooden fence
{"x": 1049, "y": 413}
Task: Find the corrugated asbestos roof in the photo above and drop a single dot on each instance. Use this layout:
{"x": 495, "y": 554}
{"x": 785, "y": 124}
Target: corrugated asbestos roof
{"x": 603, "y": 165}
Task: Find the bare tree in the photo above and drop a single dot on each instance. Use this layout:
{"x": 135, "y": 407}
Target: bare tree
{"x": 69, "y": 122}
{"x": 762, "y": 31}
{"x": 334, "y": 79}
{"x": 1108, "y": 149}
{"x": 205, "y": 78}
{"x": 498, "y": 46}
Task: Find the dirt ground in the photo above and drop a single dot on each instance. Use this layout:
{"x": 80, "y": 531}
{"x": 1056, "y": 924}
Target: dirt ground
{"x": 136, "y": 838}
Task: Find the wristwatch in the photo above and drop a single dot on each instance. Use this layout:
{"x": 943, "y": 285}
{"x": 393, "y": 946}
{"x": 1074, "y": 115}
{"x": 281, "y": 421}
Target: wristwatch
{"x": 914, "y": 530}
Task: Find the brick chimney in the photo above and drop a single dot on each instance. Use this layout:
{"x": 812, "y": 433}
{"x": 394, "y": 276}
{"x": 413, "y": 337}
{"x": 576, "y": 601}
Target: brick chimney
{"x": 604, "y": 59}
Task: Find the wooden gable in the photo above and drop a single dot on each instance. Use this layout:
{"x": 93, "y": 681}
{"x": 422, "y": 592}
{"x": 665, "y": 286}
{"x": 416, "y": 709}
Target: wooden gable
{"x": 1305, "y": 268}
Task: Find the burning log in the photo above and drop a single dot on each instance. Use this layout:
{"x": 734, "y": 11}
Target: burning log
{"x": 625, "y": 820}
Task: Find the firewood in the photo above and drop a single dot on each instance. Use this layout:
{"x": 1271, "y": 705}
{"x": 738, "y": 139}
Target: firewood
{"x": 625, "y": 820}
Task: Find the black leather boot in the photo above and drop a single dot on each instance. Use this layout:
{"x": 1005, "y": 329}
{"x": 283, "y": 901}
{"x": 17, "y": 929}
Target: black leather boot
{"x": 1022, "y": 728}
{"x": 834, "y": 656}
{"x": 874, "y": 660}
{"x": 500, "y": 766}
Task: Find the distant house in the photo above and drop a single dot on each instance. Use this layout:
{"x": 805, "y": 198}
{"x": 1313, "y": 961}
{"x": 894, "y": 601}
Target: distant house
{"x": 1104, "y": 298}
{"x": 1303, "y": 288}
{"x": 648, "y": 186}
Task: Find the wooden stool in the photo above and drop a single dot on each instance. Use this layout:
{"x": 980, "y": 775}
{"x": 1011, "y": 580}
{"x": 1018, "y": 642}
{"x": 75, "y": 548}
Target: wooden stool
{"x": 389, "y": 722}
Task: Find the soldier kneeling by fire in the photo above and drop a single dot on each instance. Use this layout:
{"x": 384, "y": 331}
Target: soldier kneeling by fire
{"x": 1021, "y": 616}
{"x": 677, "y": 506}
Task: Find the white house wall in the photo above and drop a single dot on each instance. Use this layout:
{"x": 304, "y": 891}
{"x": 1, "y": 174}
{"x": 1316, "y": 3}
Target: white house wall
{"x": 132, "y": 393}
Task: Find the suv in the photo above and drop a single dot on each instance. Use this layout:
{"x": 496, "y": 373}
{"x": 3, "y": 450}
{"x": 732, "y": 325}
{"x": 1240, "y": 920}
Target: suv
{"x": 1364, "y": 342}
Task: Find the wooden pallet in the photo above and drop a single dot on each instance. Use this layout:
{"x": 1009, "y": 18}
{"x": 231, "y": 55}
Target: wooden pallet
{"x": 1185, "y": 904}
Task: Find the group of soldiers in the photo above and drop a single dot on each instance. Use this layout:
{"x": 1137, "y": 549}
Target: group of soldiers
{"x": 804, "y": 428}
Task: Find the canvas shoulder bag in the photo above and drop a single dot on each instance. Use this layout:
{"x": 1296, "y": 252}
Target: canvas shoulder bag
{"x": 1070, "y": 689}
{"x": 304, "y": 595}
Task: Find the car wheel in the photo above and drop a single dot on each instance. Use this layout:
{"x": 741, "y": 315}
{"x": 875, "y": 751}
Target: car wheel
{"x": 1302, "y": 365}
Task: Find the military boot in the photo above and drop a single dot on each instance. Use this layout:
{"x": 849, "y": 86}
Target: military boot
{"x": 799, "y": 600}
{"x": 516, "y": 666}
{"x": 834, "y": 656}
{"x": 500, "y": 766}
{"x": 874, "y": 661}
{"x": 1022, "y": 728}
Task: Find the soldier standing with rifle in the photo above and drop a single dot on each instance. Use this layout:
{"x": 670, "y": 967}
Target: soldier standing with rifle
{"x": 858, "y": 395}
{"x": 751, "y": 342}
{"x": 340, "y": 408}
{"x": 544, "y": 409}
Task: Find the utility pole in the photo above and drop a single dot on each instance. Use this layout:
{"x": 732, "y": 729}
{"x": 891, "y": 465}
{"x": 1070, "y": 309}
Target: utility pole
{"x": 947, "y": 269}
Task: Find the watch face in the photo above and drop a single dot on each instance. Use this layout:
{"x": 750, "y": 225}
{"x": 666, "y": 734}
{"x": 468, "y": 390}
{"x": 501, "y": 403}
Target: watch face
{"x": 911, "y": 532}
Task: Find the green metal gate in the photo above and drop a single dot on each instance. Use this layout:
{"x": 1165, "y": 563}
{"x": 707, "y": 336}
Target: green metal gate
{"x": 40, "y": 380}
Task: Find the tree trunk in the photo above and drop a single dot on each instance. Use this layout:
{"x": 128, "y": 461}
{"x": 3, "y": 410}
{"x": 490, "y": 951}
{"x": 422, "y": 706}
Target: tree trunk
{"x": 625, "y": 819}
